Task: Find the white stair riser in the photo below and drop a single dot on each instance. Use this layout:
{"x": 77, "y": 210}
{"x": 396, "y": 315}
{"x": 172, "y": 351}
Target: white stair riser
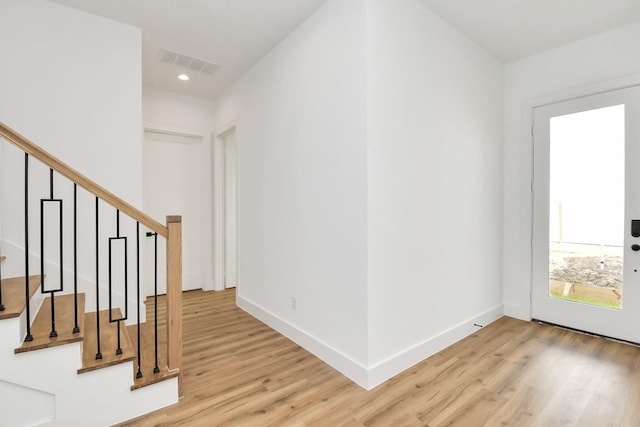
{"x": 49, "y": 377}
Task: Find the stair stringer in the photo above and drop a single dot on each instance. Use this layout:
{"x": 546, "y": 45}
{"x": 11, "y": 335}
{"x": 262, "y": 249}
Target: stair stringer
{"x": 101, "y": 397}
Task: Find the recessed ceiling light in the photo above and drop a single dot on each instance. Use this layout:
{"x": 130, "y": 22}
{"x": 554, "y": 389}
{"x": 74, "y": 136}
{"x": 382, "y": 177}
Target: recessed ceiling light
{"x": 183, "y": 77}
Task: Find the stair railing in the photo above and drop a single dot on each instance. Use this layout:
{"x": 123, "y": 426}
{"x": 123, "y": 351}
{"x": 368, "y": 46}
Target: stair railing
{"x": 172, "y": 232}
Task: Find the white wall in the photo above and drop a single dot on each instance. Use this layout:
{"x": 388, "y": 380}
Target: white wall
{"x": 578, "y": 68}
{"x": 166, "y": 111}
{"x": 434, "y": 173}
{"x": 300, "y": 121}
{"x": 370, "y": 156}
{"x": 70, "y": 82}
{"x": 177, "y": 113}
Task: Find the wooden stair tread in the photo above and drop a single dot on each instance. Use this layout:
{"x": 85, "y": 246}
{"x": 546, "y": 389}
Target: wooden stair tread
{"x": 108, "y": 342}
{"x": 65, "y": 323}
{"x": 13, "y": 295}
{"x": 147, "y": 353}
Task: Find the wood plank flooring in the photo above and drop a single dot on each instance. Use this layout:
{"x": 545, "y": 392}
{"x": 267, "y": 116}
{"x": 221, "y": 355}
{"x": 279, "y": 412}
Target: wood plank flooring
{"x": 238, "y": 372}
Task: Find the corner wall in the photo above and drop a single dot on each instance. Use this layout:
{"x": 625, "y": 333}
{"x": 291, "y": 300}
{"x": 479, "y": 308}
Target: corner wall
{"x": 588, "y": 65}
{"x": 302, "y": 210}
{"x": 434, "y": 185}
{"x": 370, "y": 186}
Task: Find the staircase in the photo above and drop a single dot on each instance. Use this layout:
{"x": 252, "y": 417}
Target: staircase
{"x": 78, "y": 355}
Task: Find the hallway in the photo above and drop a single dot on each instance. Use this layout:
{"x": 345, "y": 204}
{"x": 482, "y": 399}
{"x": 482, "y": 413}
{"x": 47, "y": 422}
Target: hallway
{"x": 239, "y": 372}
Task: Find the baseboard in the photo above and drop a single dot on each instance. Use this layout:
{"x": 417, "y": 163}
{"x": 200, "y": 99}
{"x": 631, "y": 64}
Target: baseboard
{"x": 517, "y": 312}
{"x": 368, "y": 378}
{"x": 394, "y": 365}
{"x": 342, "y": 363}
{"x": 208, "y": 285}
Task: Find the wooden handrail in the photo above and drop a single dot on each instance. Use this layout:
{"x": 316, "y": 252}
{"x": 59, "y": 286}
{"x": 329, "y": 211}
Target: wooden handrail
{"x": 63, "y": 169}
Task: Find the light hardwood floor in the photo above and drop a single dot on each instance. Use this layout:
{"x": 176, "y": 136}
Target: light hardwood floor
{"x": 238, "y": 372}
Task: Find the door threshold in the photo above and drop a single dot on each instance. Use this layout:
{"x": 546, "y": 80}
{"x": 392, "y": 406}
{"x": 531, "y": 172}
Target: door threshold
{"x": 583, "y": 332}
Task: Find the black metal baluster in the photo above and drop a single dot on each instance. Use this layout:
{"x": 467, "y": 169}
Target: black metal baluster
{"x": 42, "y": 288}
{"x": 98, "y": 353}
{"x": 126, "y": 288}
{"x": 76, "y": 328}
{"x": 155, "y": 297}
{"x": 111, "y": 320}
{"x": 52, "y": 292}
{"x": 29, "y": 337}
{"x": 119, "y": 349}
{"x": 139, "y": 373}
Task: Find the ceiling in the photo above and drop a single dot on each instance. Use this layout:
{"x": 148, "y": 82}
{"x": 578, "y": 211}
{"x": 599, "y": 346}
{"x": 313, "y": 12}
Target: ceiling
{"x": 232, "y": 34}
{"x": 235, "y": 34}
{"x": 514, "y": 29}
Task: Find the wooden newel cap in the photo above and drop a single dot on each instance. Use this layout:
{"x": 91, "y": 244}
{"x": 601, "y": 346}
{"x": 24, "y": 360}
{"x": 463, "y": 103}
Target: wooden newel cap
{"x": 173, "y": 219}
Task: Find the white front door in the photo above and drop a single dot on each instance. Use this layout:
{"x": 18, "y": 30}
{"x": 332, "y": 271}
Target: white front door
{"x": 586, "y": 192}
{"x": 173, "y": 186}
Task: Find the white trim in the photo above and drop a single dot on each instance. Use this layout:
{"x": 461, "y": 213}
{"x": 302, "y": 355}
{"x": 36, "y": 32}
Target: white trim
{"x": 206, "y": 275}
{"x": 170, "y": 130}
{"x": 172, "y": 138}
{"x": 370, "y": 377}
{"x": 396, "y": 364}
{"x": 582, "y": 91}
{"x": 341, "y": 362}
{"x": 228, "y": 130}
{"x": 218, "y": 202}
{"x": 218, "y": 215}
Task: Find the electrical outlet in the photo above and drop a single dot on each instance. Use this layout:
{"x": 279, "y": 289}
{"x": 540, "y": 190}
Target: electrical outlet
{"x": 294, "y": 303}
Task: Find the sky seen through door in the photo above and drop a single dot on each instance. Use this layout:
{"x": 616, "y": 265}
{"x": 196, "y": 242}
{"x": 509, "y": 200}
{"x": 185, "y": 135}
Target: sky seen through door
{"x": 587, "y": 177}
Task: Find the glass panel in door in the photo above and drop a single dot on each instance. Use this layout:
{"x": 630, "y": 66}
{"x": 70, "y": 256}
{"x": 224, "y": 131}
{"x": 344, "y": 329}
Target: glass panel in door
{"x": 586, "y": 206}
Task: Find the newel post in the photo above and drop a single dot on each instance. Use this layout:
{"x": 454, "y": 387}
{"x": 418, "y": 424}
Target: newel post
{"x": 174, "y": 295}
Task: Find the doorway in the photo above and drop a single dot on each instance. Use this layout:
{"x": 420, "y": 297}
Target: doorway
{"x": 226, "y": 215}
{"x": 172, "y": 179}
{"x": 586, "y": 191}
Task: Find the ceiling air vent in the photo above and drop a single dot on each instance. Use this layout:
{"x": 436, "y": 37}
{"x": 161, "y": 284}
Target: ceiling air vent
{"x": 186, "y": 61}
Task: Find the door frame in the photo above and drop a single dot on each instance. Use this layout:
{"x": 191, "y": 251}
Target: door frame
{"x": 219, "y": 205}
{"x": 527, "y": 135}
{"x": 206, "y": 243}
